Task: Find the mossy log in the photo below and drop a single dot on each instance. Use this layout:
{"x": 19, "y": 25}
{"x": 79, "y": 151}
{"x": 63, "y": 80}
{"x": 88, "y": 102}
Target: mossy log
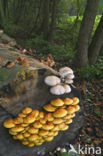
{"x": 24, "y": 86}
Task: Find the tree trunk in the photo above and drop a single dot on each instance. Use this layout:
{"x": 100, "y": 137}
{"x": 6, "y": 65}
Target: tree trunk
{"x": 53, "y": 20}
{"x": 46, "y": 18}
{"x": 96, "y": 44}
{"x": 101, "y": 51}
{"x": 2, "y": 14}
{"x": 85, "y": 32}
{"x": 37, "y": 18}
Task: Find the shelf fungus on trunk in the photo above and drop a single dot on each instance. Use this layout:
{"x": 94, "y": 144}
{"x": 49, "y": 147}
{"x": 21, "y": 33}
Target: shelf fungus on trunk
{"x": 34, "y": 127}
{"x": 64, "y": 71}
{"x": 52, "y": 80}
{"x": 68, "y": 81}
{"x": 57, "y": 90}
{"x": 67, "y": 88}
{"x": 60, "y": 85}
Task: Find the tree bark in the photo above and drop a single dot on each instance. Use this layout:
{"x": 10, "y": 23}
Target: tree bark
{"x": 53, "y": 20}
{"x": 101, "y": 51}
{"x": 46, "y": 18}
{"x": 2, "y": 13}
{"x": 96, "y": 44}
{"x": 85, "y": 32}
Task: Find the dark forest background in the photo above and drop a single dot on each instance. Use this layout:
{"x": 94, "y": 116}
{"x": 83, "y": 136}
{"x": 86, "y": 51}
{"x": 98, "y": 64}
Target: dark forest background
{"x": 71, "y": 31}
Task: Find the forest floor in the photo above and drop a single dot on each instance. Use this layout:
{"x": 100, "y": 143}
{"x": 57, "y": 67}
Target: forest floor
{"x": 92, "y": 132}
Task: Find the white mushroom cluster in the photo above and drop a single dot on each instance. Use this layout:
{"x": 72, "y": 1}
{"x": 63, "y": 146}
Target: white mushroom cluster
{"x": 60, "y": 85}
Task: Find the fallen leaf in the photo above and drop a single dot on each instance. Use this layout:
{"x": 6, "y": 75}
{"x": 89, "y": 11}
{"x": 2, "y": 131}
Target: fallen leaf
{"x": 25, "y": 62}
{"x": 97, "y": 129}
{"x": 19, "y": 47}
{"x": 30, "y": 50}
{"x": 83, "y": 132}
{"x": 1, "y": 59}
{"x": 4, "y": 41}
{"x": 11, "y": 64}
{"x": 89, "y": 129}
{"x": 20, "y": 58}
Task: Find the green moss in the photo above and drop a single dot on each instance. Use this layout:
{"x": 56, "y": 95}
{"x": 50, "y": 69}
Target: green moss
{"x": 6, "y": 75}
{"x": 25, "y": 79}
{"x": 17, "y": 79}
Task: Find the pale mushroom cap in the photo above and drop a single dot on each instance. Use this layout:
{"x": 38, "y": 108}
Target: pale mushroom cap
{"x": 63, "y": 150}
{"x": 67, "y": 88}
{"x": 70, "y": 76}
{"x": 68, "y": 81}
{"x": 57, "y": 90}
{"x": 52, "y": 80}
{"x": 63, "y": 72}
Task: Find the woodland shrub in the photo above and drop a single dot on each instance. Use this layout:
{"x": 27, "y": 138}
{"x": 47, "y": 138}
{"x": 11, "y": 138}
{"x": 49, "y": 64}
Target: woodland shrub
{"x": 93, "y": 71}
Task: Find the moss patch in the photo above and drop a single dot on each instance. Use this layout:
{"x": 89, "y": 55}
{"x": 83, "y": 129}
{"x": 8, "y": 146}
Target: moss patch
{"x": 6, "y": 75}
{"x": 17, "y": 79}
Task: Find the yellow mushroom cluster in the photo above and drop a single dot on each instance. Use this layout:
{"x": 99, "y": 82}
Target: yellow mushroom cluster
{"x": 34, "y": 127}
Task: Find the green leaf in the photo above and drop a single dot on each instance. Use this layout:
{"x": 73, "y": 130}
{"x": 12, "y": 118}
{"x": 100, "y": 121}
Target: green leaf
{"x": 63, "y": 154}
{"x": 97, "y": 112}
